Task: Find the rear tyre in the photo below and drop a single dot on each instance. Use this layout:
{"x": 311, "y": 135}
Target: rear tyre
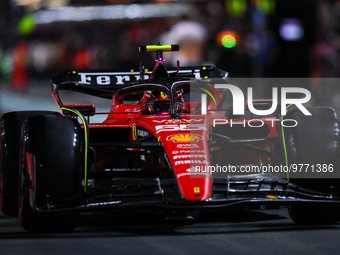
{"x": 51, "y": 171}
{"x": 11, "y": 124}
{"x": 315, "y": 140}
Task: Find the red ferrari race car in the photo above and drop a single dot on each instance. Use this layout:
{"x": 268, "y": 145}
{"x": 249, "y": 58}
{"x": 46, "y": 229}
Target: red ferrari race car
{"x": 166, "y": 144}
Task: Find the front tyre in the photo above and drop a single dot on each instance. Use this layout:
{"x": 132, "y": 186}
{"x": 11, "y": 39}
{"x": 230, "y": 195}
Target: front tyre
{"x": 313, "y": 215}
{"x": 10, "y": 131}
{"x": 315, "y": 140}
{"x": 51, "y": 171}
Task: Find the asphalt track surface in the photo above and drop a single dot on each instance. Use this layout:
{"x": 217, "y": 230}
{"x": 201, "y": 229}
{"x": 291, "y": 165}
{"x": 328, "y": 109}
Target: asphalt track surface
{"x": 240, "y": 232}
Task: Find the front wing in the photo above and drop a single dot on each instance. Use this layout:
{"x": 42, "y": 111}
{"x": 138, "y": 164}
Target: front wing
{"x": 153, "y": 193}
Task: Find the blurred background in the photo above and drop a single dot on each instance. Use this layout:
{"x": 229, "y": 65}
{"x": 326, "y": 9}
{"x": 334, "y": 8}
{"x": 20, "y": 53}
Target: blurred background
{"x": 247, "y": 38}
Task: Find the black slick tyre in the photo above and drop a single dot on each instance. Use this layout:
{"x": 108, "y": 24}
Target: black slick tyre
{"x": 11, "y": 124}
{"x": 315, "y": 141}
{"x": 51, "y": 171}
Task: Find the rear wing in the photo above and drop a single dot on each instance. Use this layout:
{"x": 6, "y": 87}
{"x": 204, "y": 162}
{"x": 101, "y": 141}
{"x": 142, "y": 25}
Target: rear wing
{"x": 108, "y": 78}
{"x": 105, "y": 83}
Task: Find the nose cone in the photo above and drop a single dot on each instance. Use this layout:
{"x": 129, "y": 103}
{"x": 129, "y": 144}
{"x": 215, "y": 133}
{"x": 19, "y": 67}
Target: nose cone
{"x": 188, "y": 154}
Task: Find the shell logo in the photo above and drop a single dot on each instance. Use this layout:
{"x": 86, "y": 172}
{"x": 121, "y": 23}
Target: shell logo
{"x": 183, "y": 138}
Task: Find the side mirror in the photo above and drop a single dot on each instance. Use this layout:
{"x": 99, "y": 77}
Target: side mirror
{"x": 85, "y": 109}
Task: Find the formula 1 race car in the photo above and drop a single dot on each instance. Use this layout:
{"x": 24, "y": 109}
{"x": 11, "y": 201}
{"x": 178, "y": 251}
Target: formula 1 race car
{"x": 168, "y": 143}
